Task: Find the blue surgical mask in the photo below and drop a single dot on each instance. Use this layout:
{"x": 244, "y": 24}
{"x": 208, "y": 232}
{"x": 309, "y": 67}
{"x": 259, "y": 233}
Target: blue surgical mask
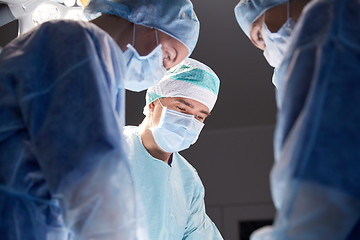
{"x": 176, "y": 131}
{"x": 277, "y": 43}
{"x": 143, "y": 71}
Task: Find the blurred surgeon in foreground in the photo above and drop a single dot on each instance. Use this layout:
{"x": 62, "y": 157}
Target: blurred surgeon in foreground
{"x": 169, "y": 186}
{"x": 315, "y": 181}
{"x": 64, "y": 171}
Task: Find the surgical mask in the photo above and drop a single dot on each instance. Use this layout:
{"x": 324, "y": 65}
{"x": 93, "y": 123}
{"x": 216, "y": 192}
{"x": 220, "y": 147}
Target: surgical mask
{"x": 176, "y": 131}
{"x": 143, "y": 71}
{"x": 277, "y": 43}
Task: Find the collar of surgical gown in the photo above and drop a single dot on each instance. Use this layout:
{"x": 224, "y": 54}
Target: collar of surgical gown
{"x": 167, "y": 192}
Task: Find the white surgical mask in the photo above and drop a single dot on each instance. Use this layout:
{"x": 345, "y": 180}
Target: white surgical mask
{"x": 143, "y": 71}
{"x": 176, "y": 131}
{"x": 277, "y": 43}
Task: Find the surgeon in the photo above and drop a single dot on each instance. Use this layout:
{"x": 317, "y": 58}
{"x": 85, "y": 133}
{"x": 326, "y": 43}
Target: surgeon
{"x": 170, "y": 187}
{"x": 269, "y": 25}
{"x": 315, "y": 181}
{"x": 64, "y": 172}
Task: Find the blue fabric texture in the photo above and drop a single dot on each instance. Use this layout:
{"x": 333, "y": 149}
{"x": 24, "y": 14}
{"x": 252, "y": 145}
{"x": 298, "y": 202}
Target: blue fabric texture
{"x": 173, "y": 196}
{"x": 175, "y": 18}
{"x": 315, "y": 181}
{"x": 247, "y": 11}
{"x": 63, "y": 170}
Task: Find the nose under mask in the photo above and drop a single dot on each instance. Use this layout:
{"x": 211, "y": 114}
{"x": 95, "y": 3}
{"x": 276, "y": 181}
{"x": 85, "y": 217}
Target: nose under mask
{"x": 176, "y": 131}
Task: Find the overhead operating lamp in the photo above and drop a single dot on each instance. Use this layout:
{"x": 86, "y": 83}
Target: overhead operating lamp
{"x": 31, "y": 13}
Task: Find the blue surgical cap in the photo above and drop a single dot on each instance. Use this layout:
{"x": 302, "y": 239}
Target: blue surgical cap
{"x": 247, "y": 11}
{"x": 173, "y": 17}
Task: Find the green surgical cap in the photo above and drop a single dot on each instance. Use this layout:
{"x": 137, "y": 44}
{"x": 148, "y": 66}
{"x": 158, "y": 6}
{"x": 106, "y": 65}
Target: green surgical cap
{"x": 190, "y": 79}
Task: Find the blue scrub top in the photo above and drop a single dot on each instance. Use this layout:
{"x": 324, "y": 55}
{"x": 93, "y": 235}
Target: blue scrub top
{"x": 62, "y": 161}
{"x": 173, "y": 196}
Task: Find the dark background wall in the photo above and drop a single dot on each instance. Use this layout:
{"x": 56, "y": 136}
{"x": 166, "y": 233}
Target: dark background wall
{"x": 246, "y": 93}
{"x": 233, "y": 155}
{"x": 234, "y": 152}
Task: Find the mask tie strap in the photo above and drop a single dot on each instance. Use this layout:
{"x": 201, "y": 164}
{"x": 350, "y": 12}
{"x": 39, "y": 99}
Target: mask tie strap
{"x": 156, "y": 36}
{"x": 152, "y": 116}
{"x": 160, "y": 103}
{"x": 288, "y": 9}
{"x": 264, "y": 18}
{"x": 133, "y": 40}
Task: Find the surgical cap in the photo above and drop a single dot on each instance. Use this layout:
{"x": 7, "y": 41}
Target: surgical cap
{"x": 190, "y": 79}
{"x": 247, "y": 11}
{"x": 173, "y": 17}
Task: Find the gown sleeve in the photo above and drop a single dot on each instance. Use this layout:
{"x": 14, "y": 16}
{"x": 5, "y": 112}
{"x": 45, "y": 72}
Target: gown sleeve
{"x": 200, "y": 226}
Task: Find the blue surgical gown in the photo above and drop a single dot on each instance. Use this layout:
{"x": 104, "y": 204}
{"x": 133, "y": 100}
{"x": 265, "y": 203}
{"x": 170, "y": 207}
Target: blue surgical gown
{"x": 315, "y": 181}
{"x": 63, "y": 170}
{"x": 173, "y": 197}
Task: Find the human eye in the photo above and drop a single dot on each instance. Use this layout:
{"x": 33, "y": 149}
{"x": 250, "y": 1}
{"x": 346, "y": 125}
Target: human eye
{"x": 169, "y": 58}
{"x": 200, "y": 118}
{"x": 170, "y": 54}
{"x": 181, "y": 108}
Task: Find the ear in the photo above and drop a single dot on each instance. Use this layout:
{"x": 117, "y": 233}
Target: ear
{"x": 256, "y": 34}
{"x": 151, "y": 107}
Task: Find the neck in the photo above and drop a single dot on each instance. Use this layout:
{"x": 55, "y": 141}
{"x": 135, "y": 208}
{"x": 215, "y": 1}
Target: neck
{"x": 118, "y": 28}
{"x": 149, "y": 143}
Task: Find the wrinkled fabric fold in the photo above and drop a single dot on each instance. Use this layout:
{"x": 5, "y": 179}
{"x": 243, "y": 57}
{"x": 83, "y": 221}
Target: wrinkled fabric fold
{"x": 61, "y": 112}
{"x": 315, "y": 180}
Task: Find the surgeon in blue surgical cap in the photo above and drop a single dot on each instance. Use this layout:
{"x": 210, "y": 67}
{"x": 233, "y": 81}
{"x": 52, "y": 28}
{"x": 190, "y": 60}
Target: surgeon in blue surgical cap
{"x": 64, "y": 171}
{"x": 169, "y": 186}
{"x": 269, "y": 25}
{"x": 315, "y": 180}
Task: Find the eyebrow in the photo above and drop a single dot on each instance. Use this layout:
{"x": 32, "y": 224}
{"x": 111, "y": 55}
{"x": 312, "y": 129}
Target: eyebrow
{"x": 191, "y": 106}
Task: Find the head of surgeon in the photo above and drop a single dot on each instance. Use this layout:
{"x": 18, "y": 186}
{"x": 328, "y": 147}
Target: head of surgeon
{"x": 269, "y": 24}
{"x": 154, "y": 35}
{"x": 177, "y": 107}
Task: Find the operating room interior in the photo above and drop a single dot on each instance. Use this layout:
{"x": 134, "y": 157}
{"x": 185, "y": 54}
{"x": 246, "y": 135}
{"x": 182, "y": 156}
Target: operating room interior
{"x": 234, "y": 153}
